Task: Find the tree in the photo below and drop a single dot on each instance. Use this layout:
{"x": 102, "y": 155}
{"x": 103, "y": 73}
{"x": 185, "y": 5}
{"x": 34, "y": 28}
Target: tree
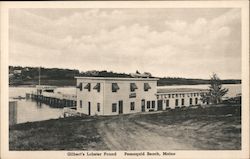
{"x": 216, "y": 92}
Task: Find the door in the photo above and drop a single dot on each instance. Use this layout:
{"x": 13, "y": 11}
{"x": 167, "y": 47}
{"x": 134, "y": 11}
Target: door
{"x": 159, "y": 104}
{"x": 143, "y": 105}
{"x": 120, "y": 107}
{"x": 89, "y": 108}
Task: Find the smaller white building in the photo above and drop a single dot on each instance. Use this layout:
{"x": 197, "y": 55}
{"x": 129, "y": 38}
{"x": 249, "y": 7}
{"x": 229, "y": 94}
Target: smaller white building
{"x": 179, "y": 97}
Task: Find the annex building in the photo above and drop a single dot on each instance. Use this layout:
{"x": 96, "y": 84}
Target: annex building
{"x": 113, "y": 96}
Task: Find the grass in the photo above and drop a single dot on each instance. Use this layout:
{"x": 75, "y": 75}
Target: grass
{"x": 72, "y": 133}
{"x": 203, "y": 128}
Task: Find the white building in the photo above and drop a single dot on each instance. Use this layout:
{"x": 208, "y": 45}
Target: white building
{"x": 112, "y": 96}
{"x": 179, "y": 97}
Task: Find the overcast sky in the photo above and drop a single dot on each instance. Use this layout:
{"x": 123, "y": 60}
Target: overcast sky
{"x": 190, "y": 43}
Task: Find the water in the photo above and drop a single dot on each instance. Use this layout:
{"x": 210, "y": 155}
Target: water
{"x": 28, "y": 111}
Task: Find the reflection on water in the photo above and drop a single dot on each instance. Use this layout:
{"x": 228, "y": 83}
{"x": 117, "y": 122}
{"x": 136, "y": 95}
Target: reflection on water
{"x": 28, "y": 110}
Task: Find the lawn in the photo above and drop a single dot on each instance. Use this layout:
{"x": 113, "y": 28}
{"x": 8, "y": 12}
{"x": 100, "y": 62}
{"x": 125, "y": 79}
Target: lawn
{"x": 212, "y": 128}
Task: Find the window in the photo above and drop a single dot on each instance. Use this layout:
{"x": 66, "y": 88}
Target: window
{"x": 98, "y": 107}
{"x": 133, "y": 87}
{"x": 97, "y": 87}
{"x": 176, "y": 102}
{"x": 146, "y": 87}
{"x": 148, "y": 104}
{"x": 153, "y": 104}
{"x": 114, "y": 105}
{"x": 132, "y": 106}
{"x": 167, "y": 103}
{"x": 88, "y": 87}
{"x": 182, "y": 101}
{"x": 80, "y": 103}
{"x": 115, "y": 87}
{"x": 172, "y": 95}
{"x": 176, "y": 95}
{"x": 183, "y": 95}
{"x": 196, "y": 101}
{"x": 169, "y": 96}
{"x": 190, "y": 101}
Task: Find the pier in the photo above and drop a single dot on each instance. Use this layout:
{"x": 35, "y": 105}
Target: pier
{"x": 46, "y": 94}
{"x": 54, "y": 99}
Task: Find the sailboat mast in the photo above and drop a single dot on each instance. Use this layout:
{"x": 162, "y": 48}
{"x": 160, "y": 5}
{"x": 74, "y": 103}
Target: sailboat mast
{"x": 39, "y": 76}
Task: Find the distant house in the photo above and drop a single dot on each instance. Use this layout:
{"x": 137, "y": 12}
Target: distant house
{"x": 92, "y": 73}
{"x": 113, "y": 96}
{"x": 17, "y": 72}
{"x": 11, "y": 75}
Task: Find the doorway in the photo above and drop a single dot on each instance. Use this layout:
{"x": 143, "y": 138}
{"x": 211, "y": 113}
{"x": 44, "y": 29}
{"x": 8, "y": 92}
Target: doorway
{"x": 159, "y": 104}
{"x": 120, "y": 104}
{"x": 143, "y": 105}
{"x": 89, "y": 105}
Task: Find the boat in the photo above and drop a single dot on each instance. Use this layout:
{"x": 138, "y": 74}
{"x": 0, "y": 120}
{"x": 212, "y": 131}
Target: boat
{"x": 19, "y": 97}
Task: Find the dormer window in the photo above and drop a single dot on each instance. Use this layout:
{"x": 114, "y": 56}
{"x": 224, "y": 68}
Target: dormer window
{"x": 133, "y": 87}
{"x": 115, "y": 87}
{"x": 146, "y": 87}
{"x": 97, "y": 87}
{"x": 88, "y": 87}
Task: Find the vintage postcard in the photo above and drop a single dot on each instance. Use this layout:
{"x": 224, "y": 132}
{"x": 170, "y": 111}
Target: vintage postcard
{"x": 125, "y": 79}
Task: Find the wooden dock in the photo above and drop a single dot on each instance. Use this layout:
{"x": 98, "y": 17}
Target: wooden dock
{"x": 54, "y": 99}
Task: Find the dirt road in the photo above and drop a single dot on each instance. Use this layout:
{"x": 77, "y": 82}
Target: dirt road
{"x": 192, "y": 130}
{"x": 124, "y": 133}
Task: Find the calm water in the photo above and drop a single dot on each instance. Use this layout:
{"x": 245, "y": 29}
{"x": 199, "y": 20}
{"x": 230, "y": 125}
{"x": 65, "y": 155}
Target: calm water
{"x": 28, "y": 111}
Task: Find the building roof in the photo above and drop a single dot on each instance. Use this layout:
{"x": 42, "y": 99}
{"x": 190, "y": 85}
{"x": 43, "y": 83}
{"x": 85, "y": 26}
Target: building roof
{"x": 179, "y": 90}
{"x": 118, "y": 78}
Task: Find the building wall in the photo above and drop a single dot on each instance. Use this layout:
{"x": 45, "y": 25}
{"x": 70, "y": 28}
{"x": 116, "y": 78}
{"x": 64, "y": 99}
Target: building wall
{"x": 123, "y": 95}
{"x": 93, "y": 97}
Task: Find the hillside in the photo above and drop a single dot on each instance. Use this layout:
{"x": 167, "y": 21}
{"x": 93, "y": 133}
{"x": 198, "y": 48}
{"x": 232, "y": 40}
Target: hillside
{"x": 65, "y": 77}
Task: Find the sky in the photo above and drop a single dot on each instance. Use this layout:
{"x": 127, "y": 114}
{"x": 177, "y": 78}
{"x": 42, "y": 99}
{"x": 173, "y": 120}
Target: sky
{"x": 190, "y": 43}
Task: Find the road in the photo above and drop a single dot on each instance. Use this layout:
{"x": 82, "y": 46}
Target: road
{"x": 125, "y": 133}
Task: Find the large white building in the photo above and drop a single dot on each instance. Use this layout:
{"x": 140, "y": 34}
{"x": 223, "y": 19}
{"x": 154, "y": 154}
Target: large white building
{"x": 112, "y": 96}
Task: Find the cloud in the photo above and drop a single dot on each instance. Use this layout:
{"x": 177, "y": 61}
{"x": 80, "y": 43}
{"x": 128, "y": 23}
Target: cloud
{"x": 120, "y": 41}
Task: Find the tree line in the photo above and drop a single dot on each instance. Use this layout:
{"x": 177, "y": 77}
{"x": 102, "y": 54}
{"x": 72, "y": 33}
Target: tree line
{"x": 32, "y": 73}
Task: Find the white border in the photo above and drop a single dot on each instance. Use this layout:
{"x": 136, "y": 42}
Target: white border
{"x": 244, "y": 5}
